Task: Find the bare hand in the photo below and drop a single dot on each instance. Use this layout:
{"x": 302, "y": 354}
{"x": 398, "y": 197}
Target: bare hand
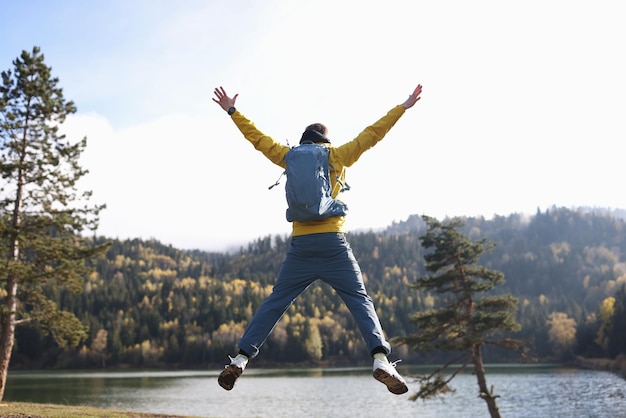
{"x": 413, "y": 98}
{"x": 222, "y": 99}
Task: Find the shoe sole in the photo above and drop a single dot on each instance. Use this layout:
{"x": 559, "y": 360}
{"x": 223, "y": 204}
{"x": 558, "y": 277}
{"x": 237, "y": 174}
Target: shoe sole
{"x": 394, "y": 385}
{"x": 229, "y": 376}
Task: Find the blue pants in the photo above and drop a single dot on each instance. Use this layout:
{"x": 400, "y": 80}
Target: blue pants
{"x": 328, "y": 257}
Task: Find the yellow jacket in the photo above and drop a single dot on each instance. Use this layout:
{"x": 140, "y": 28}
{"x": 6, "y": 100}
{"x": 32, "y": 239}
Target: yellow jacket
{"x": 340, "y": 157}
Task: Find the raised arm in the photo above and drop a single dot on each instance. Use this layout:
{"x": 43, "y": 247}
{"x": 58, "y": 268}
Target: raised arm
{"x": 350, "y": 152}
{"x": 222, "y": 99}
{"x": 413, "y": 98}
{"x": 273, "y": 150}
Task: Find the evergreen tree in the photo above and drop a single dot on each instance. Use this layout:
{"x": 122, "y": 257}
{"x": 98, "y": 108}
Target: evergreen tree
{"x": 464, "y": 320}
{"x": 606, "y": 312}
{"x": 616, "y": 335}
{"x": 42, "y": 212}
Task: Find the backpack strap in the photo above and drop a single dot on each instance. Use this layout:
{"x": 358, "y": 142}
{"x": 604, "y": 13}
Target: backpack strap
{"x": 344, "y": 185}
{"x": 277, "y": 180}
{"x": 279, "y": 177}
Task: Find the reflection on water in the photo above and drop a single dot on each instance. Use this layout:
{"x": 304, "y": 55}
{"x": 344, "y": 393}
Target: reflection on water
{"x": 525, "y": 391}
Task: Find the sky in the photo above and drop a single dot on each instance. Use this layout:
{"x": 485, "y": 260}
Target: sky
{"x": 523, "y": 106}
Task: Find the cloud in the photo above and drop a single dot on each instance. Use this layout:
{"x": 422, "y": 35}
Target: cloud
{"x": 175, "y": 180}
{"x": 522, "y": 107}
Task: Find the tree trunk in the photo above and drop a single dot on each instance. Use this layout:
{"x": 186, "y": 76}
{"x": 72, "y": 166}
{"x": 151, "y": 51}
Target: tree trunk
{"x": 8, "y": 316}
{"x": 485, "y": 393}
{"x": 7, "y": 336}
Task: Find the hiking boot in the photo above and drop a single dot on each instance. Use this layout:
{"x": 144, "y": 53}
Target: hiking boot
{"x": 232, "y": 372}
{"x": 386, "y": 373}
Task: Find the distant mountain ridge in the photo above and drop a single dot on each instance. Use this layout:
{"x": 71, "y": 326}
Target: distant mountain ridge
{"x": 158, "y": 306}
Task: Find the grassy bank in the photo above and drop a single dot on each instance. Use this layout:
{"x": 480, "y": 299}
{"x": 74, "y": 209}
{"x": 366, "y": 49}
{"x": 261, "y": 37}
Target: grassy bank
{"x": 617, "y": 366}
{"x": 36, "y": 410}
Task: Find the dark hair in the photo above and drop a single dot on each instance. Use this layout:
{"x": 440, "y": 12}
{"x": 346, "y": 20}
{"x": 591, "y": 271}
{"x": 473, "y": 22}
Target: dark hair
{"x": 318, "y": 127}
{"x": 315, "y": 133}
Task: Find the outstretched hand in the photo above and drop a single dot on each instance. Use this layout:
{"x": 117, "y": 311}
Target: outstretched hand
{"x": 222, "y": 99}
{"x": 413, "y": 98}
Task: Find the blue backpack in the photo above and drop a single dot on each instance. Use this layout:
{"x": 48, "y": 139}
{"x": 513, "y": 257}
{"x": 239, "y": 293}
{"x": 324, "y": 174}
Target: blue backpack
{"x": 308, "y": 189}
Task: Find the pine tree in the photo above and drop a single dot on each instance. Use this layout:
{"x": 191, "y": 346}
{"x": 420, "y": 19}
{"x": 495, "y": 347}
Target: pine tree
{"x": 464, "y": 319}
{"x": 42, "y": 211}
{"x": 616, "y": 336}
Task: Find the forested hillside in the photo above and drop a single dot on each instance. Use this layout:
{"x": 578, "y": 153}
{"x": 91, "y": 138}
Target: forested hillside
{"x": 151, "y": 305}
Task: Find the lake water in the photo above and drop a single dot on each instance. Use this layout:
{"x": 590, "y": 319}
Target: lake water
{"x": 525, "y": 391}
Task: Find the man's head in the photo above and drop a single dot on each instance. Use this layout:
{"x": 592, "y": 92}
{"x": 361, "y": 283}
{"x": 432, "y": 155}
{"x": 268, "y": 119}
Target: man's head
{"x": 316, "y": 133}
